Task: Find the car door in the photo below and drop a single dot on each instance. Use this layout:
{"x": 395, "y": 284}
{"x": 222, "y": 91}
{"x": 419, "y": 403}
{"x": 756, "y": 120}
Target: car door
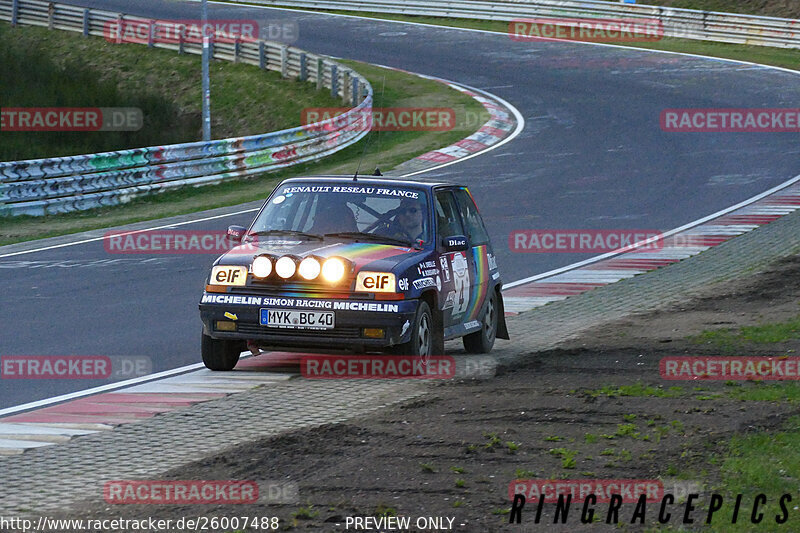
{"x": 454, "y": 266}
{"x": 477, "y": 256}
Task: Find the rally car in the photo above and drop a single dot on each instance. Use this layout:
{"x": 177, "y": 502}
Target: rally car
{"x": 355, "y": 264}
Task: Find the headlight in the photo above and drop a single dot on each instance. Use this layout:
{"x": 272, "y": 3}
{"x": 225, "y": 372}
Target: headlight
{"x": 333, "y": 270}
{"x": 309, "y": 268}
{"x": 262, "y": 266}
{"x": 285, "y": 267}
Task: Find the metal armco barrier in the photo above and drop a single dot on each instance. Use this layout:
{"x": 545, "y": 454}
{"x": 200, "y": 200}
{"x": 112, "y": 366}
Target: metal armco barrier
{"x": 73, "y": 183}
{"x": 681, "y": 23}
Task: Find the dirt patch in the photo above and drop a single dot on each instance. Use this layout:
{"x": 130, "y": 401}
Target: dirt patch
{"x": 561, "y": 414}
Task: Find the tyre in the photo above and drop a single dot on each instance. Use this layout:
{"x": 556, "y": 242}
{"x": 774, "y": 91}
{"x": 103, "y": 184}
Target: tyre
{"x": 425, "y": 336}
{"x": 482, "y": 341}
{"x": 220, "y": 354}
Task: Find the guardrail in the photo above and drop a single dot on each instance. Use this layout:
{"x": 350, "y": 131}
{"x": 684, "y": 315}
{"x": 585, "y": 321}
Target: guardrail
{"x": 62, "y": 184}
{"x": 681, "y": 23}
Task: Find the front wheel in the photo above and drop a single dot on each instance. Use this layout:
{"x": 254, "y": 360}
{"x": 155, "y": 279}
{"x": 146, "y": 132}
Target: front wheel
{"x": 482, "y": 341}
{"x": 220, "y": 354}
{"x": 425, "y": 337}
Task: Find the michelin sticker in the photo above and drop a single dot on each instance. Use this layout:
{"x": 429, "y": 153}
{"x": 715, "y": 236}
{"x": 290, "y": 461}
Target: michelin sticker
{"x": 424, "y": 283}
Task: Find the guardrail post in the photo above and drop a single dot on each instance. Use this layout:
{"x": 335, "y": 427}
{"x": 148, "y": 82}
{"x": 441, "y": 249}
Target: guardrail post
{"x": 303, "y": 67}
{"x": 120, "y": 22}
{"x": 355, "y": 92}
{"x": 151, "y": 33}
{"x": 284, "y": 61}
{"x": 334, "y": 81}
{"x": 51, "y": 15}
{"x": 320, "y": 73}
{"x": 345, "y": 85}
{"x": 181, "y": 32}
{"x": 262, "y": 55}
{"x": 86, "y": 22}
{"x": 14, "y": 12}
{"x": 236, "y": 50}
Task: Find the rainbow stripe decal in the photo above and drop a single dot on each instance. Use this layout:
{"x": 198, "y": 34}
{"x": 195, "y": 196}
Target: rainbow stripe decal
{"x": 481, "y": 283}
{"x": 363, "y": 253}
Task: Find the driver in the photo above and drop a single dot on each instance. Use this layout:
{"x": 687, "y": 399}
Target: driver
{"x": 409, "y": 222}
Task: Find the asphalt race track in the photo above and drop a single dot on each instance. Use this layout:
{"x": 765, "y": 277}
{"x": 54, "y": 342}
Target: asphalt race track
{"x": 592, "y": 156}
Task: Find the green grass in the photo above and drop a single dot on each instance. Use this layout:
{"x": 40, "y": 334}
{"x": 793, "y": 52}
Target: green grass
{"x": 763, "y": 334}
{"x": 757, "y": 54}
{"x": 638, "y": 389}
{"x": 42, "y": 68}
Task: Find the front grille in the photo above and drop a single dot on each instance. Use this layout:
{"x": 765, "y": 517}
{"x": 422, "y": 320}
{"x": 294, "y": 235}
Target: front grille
{"x": 339, "y": 333}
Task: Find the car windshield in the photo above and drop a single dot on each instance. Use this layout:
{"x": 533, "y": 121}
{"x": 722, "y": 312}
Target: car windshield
{"x": 368, "y": 212}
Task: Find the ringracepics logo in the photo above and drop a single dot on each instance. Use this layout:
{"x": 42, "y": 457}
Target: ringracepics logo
{"x": 71, "y": 119}
{"x": 731, "y": 120}
{"x": 177, "y": 31}
{"x": 730, "y": 368}
{"x": 383, "y": 118}
{"x": 173, "y": 242}
{"x": 74, "y": 367}
{"x": 584, "y": 240}
{"x": 587, "y": 30}
{"x": 377, "y": 367}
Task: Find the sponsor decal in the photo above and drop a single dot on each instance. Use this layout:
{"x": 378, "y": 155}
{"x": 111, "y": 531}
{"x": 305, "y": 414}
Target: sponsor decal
{"x": 231, "y": 316}
{"x": 401, "y": 193}
{"x": 405, "y": 328}
{"x": 731, "y": 120}
{"x": 730, "y": 368}
{"x": 584, "y": 240}
{"x": 382, "y": 118}
{"x": 472, "y": 324}
{"x": 402, "y": 284}
{"x": 71, "y": 119}
{"x": 449, "y": 300}
{"x": 229, "y": 275}
{"x": 445, "y": 268}
{"x": 458, "y": 260}
{"x": 496, "y": 275}
{"x": 377, "y": 367}
{"x": 593, "y": 30}
{"x": 336, "y": 305}
{"x": 424, "y": 283}
{"x": 438, "y": 284}
{"x": 375, "y": 282}
{"x": 492, "y": 262}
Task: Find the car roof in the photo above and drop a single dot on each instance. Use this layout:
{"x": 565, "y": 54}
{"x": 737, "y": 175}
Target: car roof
{"x": 372, "y": 180}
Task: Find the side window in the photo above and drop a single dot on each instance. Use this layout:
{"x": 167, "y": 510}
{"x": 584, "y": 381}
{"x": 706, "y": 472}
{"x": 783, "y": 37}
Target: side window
{"x": 472, "y": 219}
{"x": 447, "y": 219}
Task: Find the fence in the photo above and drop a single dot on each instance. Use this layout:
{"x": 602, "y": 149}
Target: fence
{"x": 62, "y": 184}
{"x": 681, "y": 23}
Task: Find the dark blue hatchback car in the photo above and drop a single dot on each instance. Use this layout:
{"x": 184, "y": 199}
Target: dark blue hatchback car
{"x": 365, "y": 265}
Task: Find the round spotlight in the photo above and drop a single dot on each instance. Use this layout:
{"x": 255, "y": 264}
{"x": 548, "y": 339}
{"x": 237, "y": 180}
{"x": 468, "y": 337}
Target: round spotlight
{"x": 285, "y": 267}
{"x": 262, "y": 266}
{"x": 333, "y": 270}
{"x": 309, "y": 268}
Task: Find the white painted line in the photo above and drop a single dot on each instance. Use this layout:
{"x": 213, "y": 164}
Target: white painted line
{"x": 11, "y": 444}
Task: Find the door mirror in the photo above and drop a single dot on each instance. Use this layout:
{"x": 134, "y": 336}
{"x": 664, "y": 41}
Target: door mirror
{"x": 456, "y": 243}
{"x": 235, "y": 233}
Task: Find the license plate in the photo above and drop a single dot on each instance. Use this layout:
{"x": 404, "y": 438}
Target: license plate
{"x": 294, "y": 319}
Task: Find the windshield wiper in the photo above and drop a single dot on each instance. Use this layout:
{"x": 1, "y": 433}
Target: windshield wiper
{"x": 286, "y": 232}
{"x": 372, "y": 237}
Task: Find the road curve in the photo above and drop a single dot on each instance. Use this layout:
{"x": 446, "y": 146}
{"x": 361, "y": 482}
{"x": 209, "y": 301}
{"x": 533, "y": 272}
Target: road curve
{"x": 592, "y": 156}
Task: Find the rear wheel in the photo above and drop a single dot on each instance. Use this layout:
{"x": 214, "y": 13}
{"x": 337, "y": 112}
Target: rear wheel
{"x": 220, "y": 354}
{"x": 482, "y": 341}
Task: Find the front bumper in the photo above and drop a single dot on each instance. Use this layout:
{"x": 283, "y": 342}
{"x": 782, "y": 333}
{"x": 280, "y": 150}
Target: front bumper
{"x": 351, "y": 318}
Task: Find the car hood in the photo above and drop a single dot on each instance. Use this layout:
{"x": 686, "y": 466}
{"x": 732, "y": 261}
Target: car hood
{"x": 383, "y": 257}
